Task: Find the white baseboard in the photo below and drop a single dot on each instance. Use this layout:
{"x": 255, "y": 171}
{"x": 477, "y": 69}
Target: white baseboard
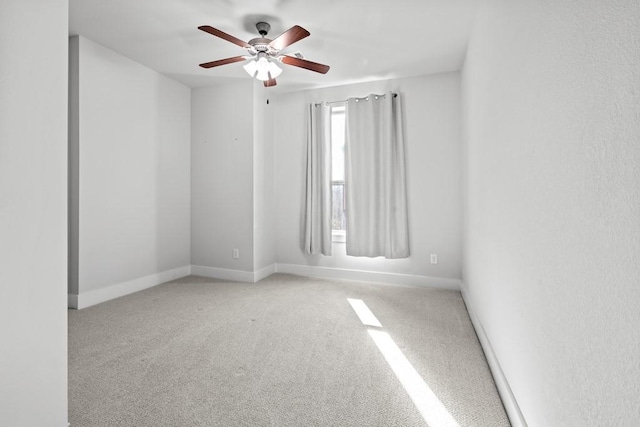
{"x": 87, "y": 299}
{"x": 222, "y": 273}
{"x": 369, "y": 276}
{"x": 264, "y": 272}
{"x": 233, "y": 275}
{"x": 508, "y": 399}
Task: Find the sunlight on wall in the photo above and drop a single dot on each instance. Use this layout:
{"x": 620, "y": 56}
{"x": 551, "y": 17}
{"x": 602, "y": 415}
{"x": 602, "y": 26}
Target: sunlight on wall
{"x": 427, "y": 403}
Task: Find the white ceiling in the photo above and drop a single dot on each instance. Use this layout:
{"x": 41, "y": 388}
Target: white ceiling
{"x": 361, "y": 40}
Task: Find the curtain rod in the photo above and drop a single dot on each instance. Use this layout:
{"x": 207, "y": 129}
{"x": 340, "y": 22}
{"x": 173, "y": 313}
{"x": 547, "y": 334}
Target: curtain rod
{"x": 395, "y": 95}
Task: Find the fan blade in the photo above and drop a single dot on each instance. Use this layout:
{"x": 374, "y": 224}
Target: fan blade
{"x": 222, "y": 62}
{"x": 303, "y": 63}
{"x": 270, "y": 82}
{"x": 289, "y": 37}
{"x": 214, "y": 31}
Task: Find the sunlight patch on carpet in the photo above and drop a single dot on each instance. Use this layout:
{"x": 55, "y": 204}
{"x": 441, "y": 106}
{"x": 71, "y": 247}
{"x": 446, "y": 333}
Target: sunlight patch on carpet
{"x": 425, "y": 400}
{"x": 364, "y": 314}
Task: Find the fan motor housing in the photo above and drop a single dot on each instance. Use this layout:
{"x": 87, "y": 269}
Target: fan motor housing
{"x": 261, "y": 44}
{"x": 260, "y": 41}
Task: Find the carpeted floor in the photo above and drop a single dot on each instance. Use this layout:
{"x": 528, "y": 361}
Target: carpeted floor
{"x": 287, "y": 351}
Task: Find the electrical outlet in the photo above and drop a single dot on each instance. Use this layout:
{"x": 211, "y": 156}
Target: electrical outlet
{"x": 236, "y": 254}
{"x": 434, "y": 258}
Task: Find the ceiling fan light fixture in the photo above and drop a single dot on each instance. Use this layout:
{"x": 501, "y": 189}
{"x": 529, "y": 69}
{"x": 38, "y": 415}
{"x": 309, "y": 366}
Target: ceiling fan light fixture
{"x": 262, "y": 65}
{"x": 262, "y": 69}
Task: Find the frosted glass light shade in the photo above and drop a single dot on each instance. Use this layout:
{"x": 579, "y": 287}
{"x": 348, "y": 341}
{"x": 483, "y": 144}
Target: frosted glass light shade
{"x": 274, "y": 70}
{"x": 251, "y": 68}
{"x": 261, "y": 67}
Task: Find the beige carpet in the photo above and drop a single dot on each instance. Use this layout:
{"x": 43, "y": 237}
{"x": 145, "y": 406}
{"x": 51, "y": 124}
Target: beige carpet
{"x": 287, "y": 351}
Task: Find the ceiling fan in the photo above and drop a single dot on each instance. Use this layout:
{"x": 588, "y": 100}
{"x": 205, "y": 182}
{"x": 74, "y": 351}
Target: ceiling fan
{"x": 264, "y": 52}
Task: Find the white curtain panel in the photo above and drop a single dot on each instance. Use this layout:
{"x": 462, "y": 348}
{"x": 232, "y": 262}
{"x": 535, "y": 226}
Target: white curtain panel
{"x": 317, "y": 216}
{"x": 375, "y": 181}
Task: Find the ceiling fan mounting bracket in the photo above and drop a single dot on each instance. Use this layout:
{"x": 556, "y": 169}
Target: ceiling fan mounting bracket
{"x": 263, "y": 28}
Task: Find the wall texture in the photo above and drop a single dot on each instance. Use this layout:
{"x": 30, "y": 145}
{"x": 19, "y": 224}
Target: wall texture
{"x": 431, "y": 106}
{"x": 133, "y": 169}
{"x": 222, "y": 176}
{"x": 552, "y": 201}
{"x": 33, "y": 212}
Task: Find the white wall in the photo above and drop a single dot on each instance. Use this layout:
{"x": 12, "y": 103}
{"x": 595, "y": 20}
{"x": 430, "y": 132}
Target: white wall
{"x": 232, "y": 181}
{"x": 33, "y": 212}
{"x": 133, "y": 170}
{"x": 552, "y": 231}
{"x": 263, "y": 179}
{"x": 431, "y": 107}
{"x": 222, "y": 176}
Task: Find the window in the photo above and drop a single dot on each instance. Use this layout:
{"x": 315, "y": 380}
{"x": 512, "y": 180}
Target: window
{"x": 338, "y": 214}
